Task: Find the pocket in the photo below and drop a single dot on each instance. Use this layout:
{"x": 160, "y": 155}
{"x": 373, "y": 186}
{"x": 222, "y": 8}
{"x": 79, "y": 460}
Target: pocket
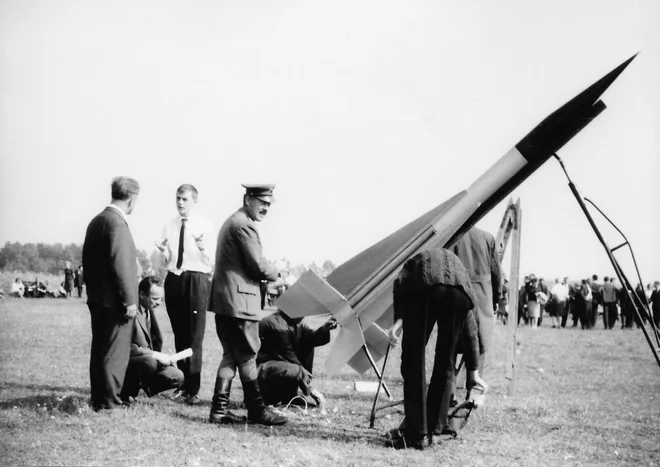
{"x": 248, "y": 289}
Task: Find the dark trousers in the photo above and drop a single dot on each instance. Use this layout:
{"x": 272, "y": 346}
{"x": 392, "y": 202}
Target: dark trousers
{"x": 111, "y": 349}
{"x": 426, "y": 411}
{"x": 146, "y": 373}
{"x": 240, "y": 345}
{"x": 279, "y": 381}
{"x": 609, "y": 315}
{"x": 594, "y": 313}
{"x": 186, "y": 301}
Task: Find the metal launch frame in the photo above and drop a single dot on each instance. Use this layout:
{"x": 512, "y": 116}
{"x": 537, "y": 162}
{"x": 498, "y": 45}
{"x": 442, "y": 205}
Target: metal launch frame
{"x": 640, "y": 304}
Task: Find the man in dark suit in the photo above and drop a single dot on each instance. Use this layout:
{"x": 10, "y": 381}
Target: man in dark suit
{"x": 148, "y": 368}
{"x": 235, "y": 299}
{"x": 110, "y": 265}
{"x": 476, "y": 250}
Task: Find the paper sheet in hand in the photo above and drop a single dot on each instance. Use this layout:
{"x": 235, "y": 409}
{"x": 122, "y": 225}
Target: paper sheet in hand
{"x": 310, "y": 296}
{"x": 173, "y": 358}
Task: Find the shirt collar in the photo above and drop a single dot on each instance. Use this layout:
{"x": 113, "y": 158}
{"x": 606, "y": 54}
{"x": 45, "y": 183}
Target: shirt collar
{"x": 119, "y": 210}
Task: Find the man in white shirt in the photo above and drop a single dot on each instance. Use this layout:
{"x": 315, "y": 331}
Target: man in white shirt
{"x": 189, "y": 251}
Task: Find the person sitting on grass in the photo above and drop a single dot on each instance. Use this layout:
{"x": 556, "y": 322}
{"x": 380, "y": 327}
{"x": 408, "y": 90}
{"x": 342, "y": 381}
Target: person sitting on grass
{"x": 148, "y": 369}
{"x": 286, "y": 358}
{"x": 433, "y": 286}
{"x": 17, "y": 289}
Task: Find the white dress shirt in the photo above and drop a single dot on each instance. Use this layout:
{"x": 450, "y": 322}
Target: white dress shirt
{"x": 560, "y": 291}
{"x": 194, "y": 259}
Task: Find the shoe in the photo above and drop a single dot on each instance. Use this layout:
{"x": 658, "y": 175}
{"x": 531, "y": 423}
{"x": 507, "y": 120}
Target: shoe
{"x": 220, "y": 412}
{"x": 405, "y": 442}
{"x": 184, "y": 397}
{"x": 258, "y": 412}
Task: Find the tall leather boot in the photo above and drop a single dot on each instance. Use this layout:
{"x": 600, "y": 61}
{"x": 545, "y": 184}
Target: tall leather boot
{"x": 258, "y": 412}
{"x": 220, "y": 404}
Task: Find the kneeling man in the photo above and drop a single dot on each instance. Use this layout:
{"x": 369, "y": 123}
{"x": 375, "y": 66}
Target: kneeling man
{"x": 286, "y": 357}
{"x": 152, "y": 372}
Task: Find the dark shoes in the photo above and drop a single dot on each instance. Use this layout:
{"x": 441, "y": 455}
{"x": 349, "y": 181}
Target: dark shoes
{"x": 402, "y": 441}
{"x": 220, "y": 412}
{"x": 258, "y": 411}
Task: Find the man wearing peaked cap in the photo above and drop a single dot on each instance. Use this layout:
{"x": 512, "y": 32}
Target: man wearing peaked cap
{"x": 236, "y": 301}
{"x": 262, "y": 192}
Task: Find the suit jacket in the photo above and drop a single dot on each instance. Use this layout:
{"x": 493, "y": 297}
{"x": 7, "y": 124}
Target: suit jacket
{"x": 239, "y": 269}
{"x": 109, "y": 261}
{"x": 145, "y": 339}
{"x": 476, "y": 250}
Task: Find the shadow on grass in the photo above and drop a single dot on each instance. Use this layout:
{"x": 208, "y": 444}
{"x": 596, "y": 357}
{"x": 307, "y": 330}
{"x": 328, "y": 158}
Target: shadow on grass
{"x": 42, "y": 387}
{"x": 304, "y": 428}
{"x": 71, "y": 405}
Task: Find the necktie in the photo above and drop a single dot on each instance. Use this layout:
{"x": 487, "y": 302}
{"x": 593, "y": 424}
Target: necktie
{"x": 179, "y": 261}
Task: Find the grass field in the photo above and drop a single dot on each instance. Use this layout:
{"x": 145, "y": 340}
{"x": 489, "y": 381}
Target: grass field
{"x": 582, "y": 398}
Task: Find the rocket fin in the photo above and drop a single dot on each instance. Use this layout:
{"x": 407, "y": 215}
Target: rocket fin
{"x": 349, "y": 341}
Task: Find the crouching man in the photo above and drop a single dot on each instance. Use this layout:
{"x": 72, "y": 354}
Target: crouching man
{"x": 286, "y": 358}
{"x": 433, "y": 286}
{"x": 152, "y": 372}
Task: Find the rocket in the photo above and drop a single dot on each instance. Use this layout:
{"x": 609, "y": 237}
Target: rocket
{"x": 359, "y": 292}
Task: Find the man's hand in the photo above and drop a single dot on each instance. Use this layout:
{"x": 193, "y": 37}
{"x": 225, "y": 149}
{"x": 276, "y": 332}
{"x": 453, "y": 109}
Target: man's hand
{"x": 331, "y": 324}
{"x": 395, "y": 334}
{"x": 162, "y": 245}
{"x": 131, "y": 311}
{"x": 199, "y": 241}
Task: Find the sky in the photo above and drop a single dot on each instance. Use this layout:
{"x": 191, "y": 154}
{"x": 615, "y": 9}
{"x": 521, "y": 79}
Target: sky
{"x": 364, "y": 114}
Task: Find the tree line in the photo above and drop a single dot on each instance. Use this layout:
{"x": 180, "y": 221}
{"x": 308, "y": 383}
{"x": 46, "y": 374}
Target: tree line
{"x": 51, "y": 258}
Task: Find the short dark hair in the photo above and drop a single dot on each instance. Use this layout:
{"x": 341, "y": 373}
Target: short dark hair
{"x": 606, "y": 278}
{"x": 187, "y": 187}
{"x": 595, "y": 277}
{"x": 147, "y": 283}
{"x": 123, "y": 188}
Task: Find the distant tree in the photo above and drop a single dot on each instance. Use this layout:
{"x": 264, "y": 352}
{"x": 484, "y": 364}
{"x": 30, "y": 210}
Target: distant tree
{"x": 328, "y": 266}
{"x": 158, "y": 265}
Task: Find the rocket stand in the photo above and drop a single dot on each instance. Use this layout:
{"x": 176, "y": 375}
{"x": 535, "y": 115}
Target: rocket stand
{"x": 617, "y": 268}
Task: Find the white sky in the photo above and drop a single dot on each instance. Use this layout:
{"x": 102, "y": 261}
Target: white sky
{"x": 365, "y": 114}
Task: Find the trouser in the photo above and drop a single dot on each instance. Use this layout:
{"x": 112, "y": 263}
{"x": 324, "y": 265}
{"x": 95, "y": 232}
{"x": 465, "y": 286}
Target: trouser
{"x": 80, "y": 292}
{"x": 425, "y": 410}
{"x": 111, "y": 349}
{"x": 585, "y": 315}
{"x": 186, "y": 302}
{"x": 569, "y": 306}
{"x": 609, "y": 315}
{"x": 279, "y": 381}
{"x": 594, "y": 313}
{"x": 240, "y": 345}
{"x": 146, "y": 373}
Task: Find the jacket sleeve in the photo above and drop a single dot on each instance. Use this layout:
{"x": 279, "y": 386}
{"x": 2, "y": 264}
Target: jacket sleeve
{"x": 255, "y": 264}
{"x": 315, "y": 337}
{"x": 495, "y": 272}
{"x": 123, "y": 262}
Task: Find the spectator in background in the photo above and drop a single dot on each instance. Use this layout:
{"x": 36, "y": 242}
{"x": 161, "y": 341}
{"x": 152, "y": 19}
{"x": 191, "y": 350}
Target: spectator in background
{"x": 642, "y": 302}
{"x": 522, "y": 301}
{"x": 542, "y": 288}
{"x": 584, "y": 296}
{"x": 628, "y": 314}
{"x": 533, "y": 305}
{"x": 68, "y": 279}
{"x": 596, "y": 299}
{"x": 655, "y": 303}
{"x": 78, "y": 280}
{"x": 609, "y": 297}
{"x": 559, "y": 296}
{"x": 17, "y": 289}
{"x": 503, "y": 305}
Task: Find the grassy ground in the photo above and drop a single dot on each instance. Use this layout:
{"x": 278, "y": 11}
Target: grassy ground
{"x": 582, "y": 398}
